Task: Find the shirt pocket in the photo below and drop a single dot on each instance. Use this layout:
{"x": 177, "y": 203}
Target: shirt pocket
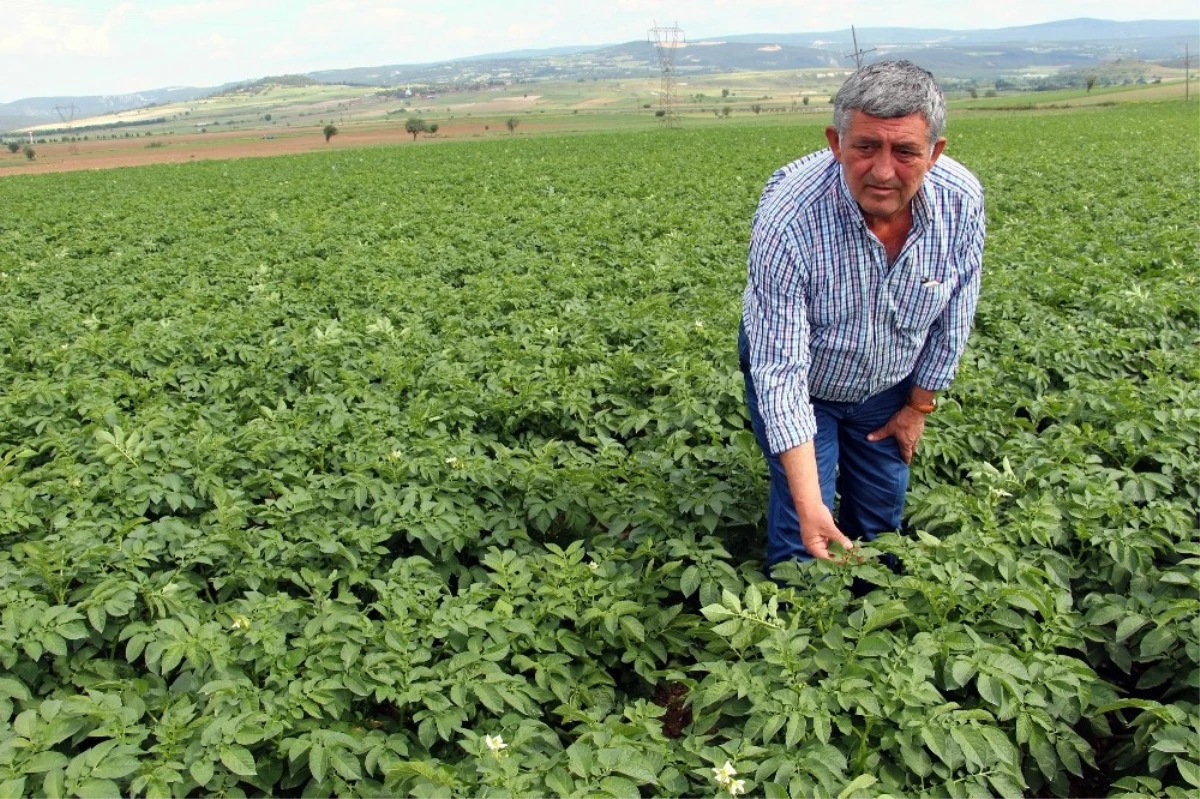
{"x": 919, "y": 301}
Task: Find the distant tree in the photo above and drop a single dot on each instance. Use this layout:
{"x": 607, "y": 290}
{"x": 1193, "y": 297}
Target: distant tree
{"x": 1091, "y": 81}
{"x": 433, "y": 128}
{"x": 804, "y": 99}
{"x": 29, "y": 152}
{"x": 662, "y": 112}
{"x": 330, "y": 131}
{"x": 267, "y": 117}
{"x": 726, "y": 111}
{"x": 511, "y": 123}
{"x": 14, "y": 147}
{"x": 974, "y": 93}
{"x": 724, "y": 92}
{"x": 756, "y": 108}
{"x": 415, "y": 125}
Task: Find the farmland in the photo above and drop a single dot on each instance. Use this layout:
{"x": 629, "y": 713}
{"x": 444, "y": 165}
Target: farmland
{"x": 426, "y": 471}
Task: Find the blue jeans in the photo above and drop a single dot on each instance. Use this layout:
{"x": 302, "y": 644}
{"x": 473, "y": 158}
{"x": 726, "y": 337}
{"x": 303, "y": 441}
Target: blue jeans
{"x": 869, "y": 479}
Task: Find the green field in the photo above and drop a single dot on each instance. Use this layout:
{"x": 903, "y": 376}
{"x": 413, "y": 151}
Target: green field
{"x": 317, "y": 470}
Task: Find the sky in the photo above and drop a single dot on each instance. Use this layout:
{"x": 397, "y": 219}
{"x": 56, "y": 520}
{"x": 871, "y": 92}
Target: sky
{"x": 53, "y": 48}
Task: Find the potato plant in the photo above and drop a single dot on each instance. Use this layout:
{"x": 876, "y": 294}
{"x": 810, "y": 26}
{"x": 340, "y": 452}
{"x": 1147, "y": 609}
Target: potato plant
{"x": 314, "y": 486}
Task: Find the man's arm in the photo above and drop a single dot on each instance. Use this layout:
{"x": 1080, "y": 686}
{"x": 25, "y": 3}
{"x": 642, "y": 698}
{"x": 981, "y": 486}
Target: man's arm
{"x": 938, "y": 361}
{"x": 817, "y": 528}
{"x": 777, "y": 329}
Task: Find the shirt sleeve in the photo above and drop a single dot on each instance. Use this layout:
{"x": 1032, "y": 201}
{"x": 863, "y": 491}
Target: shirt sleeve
{"x": 938, "y": 361}
{"x": 774, "y": 313}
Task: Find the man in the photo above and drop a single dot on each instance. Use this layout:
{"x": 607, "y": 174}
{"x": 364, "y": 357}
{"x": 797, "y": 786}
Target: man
{"x": 863, "y": 279}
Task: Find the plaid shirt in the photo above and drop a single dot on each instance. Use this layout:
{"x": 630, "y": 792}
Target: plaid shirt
{"x": 828, "y": 317}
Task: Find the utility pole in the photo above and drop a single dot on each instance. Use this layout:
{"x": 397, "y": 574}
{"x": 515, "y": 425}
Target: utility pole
{"x": 858, "y": 54}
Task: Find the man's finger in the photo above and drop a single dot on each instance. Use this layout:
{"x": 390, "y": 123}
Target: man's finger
{"x": 881, "y": 433}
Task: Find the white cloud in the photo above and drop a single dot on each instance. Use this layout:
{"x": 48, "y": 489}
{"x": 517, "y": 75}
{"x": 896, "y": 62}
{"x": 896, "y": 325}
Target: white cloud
{"x": 47, "y": 29}
{"x": 217, "y": 47}
{"x": 183, "y": 13}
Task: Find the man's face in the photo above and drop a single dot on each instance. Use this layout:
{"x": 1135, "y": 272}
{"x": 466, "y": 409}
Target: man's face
{"x": 884, "y": 161}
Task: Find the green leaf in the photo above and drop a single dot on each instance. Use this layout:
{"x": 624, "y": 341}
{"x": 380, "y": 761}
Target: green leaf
{"x": 1043, "y": 753}
{"x": 97, "y": 789}
{"x": 1130, "y": 625}
{"x": 14, "y": 788}
{"x": 636, "y": 765}
{"x": 238, "y": 760}
{"x": 201, "y": 771}
{"x": 876, "y": 644}
{"x": 1190, "y": 770}
{"x": 116, "y": 767}
{"x": 857, "y": 786}
{"x": 716, "y": 612}
{"x": 317, "y": 762}
{"x": 1068, "y": 756}
{"x": 916, "y": 759}
{"x": 754, "y": 600}
{"x": 689, "y": 581}
{"x": 345, "y": 764}
{"x": 990, "y": 689}
{"x": 1005, "y": 785}
{"x": 489, "y": 696}
{"x": 45, "y": 761}
{"x": 1155, "y": 642}
{"x": 581, "y": 759}
{"x": 620, "y": 788}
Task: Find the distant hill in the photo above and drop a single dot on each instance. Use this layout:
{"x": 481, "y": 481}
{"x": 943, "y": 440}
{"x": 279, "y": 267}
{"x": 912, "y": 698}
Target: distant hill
{"x": 1067, "y": 30}
{"x": 39, "y": 110}
{"x": 949, "y": 54}
{"x": 961, "y": 54}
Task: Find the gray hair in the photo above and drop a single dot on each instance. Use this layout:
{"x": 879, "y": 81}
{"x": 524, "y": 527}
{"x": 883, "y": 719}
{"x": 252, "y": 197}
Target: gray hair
{"x": 889, "y": 89}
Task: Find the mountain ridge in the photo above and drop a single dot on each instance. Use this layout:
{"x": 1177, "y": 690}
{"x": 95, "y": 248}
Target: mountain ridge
{"x": 1070, "y": 43}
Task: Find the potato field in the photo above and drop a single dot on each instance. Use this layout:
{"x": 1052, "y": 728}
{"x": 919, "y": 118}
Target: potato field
{"x": 427, "y": 472}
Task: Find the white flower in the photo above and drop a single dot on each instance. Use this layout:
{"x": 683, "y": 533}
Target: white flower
{"x": 725, "y": 774}
{"x": 495, "y": 743}
{"x": 593, "y": 565}
{"x": 699, "y": 325}
{"x": 397, "y": 454}
{"x": 737, "y": 787}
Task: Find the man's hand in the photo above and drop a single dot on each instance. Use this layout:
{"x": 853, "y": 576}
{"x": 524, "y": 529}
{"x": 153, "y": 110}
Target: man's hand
{"x": 817, "y": 530}
{"x": 906, "y": 427}
{"x": 816, "y": 522}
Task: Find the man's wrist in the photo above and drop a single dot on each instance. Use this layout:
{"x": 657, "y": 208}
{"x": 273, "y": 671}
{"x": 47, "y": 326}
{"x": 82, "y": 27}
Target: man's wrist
{"x": 922, "y": 400}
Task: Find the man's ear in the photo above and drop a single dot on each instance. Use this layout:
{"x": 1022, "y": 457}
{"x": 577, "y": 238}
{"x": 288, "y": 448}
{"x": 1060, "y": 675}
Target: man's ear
{"x": 938, "y": 146}
{"x": 831, "y": 135}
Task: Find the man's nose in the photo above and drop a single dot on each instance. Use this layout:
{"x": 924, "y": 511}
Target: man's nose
{"x": 883, "y": 166}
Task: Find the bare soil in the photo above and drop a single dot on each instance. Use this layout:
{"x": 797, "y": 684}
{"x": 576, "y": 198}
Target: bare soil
{"x": 109, "y": 153}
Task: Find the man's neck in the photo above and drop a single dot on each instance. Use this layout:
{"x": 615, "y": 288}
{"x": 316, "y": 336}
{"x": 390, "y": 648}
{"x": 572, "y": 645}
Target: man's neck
{"x": 891, "y": 231}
